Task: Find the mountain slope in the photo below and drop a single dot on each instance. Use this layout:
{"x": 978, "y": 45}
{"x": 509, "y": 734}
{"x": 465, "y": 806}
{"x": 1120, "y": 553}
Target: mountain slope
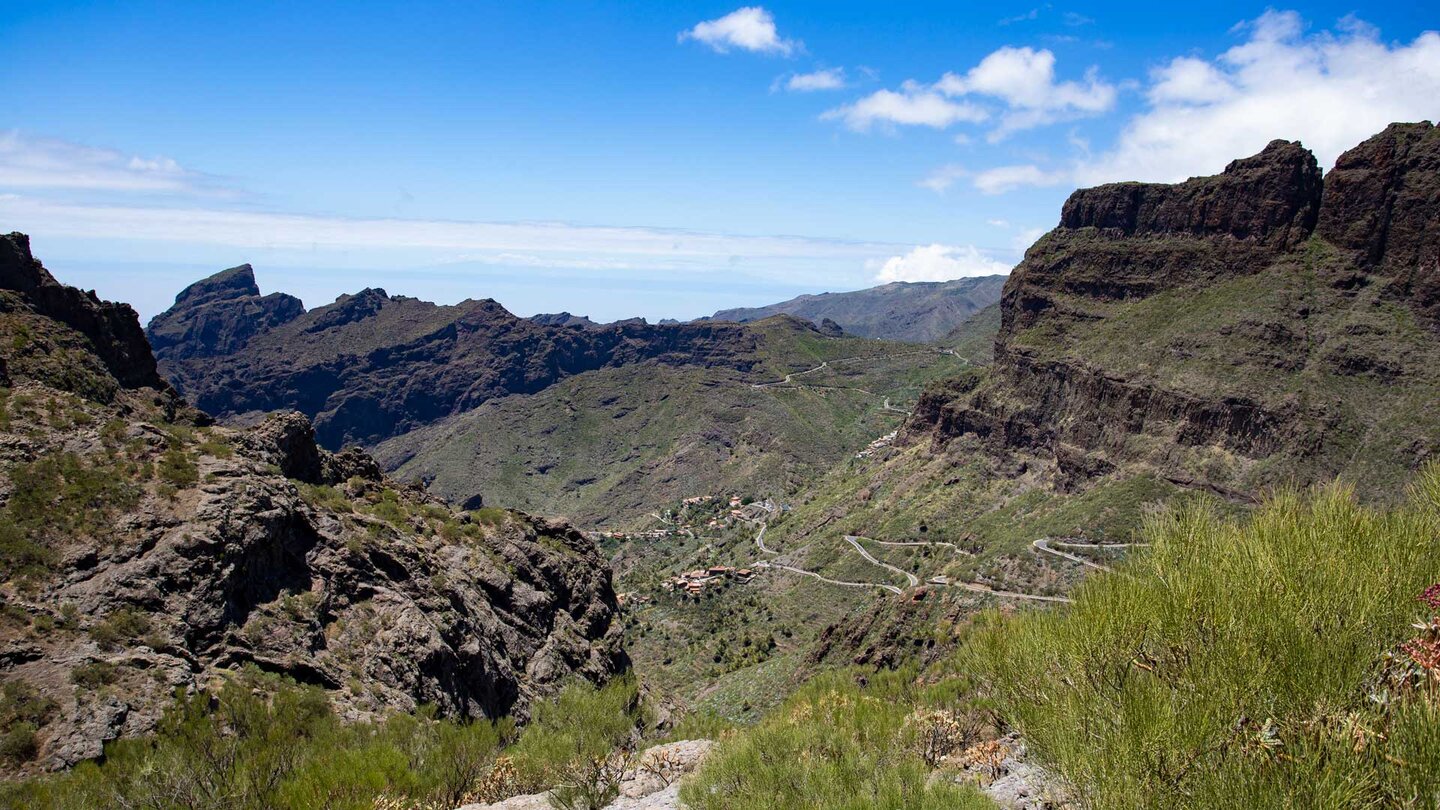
{"x": 1212, "y": 339}
{"x": 371, "y": 366}
{"x": 916, "y": 312}
{"x": 143, "y": 551}
{"x": 614, "y": 444}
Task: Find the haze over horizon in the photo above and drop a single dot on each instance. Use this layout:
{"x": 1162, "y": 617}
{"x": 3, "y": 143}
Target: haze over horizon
{"x": 649, "y": 160}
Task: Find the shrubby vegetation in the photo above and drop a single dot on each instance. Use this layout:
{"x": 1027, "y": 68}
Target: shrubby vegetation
{"x": 264, "y": 742}
{"x": 1279, "y": 661}
{"x": 837, "y": 744}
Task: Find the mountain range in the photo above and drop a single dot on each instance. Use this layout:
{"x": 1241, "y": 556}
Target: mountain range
{"x": 911, "y": 311}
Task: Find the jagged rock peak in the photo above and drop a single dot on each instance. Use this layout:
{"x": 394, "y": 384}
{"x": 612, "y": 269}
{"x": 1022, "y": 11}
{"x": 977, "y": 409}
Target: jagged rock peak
{"x": 1271, "y": 198}
{"x": 219, "y": 315}
{"x": 112, "y": 331}
{"x": 236, "y": 282}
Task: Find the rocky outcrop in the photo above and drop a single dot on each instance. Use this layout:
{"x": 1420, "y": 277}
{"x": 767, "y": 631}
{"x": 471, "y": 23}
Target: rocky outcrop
{"x": 1382, "y": 201}
{"x": 218, "y": 316}
{"x": 371, "y": 366}
{"x": 1225, "y": 403}
{"x": 1271, "y": 199}
{"x": 146, "y": 554}
{"x": 106, "y": 331}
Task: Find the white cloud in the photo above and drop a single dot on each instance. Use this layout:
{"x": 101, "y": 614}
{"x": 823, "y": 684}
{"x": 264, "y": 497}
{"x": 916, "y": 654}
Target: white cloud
{"x": 944, "y": 177}
{"x": 51, "y": 163}
{"x": 1007, "y": 178}
{"x": 1026, "y": 237}
{"x": 1329, "y": 90}
{"x": 1021, "y": 79}
{"x": 913, "y": 105}
{"x": 1187, "y": 80}
{"x": 829, "y": 79}
{"x": 1024, "y": 79}
{"x": 751, "y": 28}
{"x": 939, "y": 263}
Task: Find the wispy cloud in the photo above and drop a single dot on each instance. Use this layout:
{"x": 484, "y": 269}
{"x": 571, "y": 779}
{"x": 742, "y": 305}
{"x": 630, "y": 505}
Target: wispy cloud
{"x": 944, "y": 177}
{"x": 28, "y": 162}
{"x": 751, "y": 28}
{"x": 402, "y": 244}
{"x": 827, "y": 79}
{"x": 912, "y": 105}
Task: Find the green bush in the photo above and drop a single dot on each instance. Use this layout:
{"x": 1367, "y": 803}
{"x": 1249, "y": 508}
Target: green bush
{"x": 55, "y": 499}
{"x": 262, "y": 742}
{"x": 1244, "y": 663}
{"x": 834, "y": 744}
{"x": 177, "y": 469}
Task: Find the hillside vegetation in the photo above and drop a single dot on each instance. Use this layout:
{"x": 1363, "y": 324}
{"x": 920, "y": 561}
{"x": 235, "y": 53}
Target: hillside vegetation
{"x": 612, "y": 445}
{"x": 1290, "y": 658}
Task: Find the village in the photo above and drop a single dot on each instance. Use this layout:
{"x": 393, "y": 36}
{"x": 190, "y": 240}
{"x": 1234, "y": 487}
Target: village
{"x": 695, "y": 583}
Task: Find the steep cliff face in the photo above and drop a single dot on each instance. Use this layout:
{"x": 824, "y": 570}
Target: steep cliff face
{"x": 218, "y": 316}
{"x": 142, "y": 551}
{"x": 1227, "y": 332}
{"x": 47, "y": 319}
{"x": 371, "y": 366}
{"x": 1382, "y": 201}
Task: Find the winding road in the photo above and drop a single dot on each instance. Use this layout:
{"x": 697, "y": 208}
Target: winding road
{"x": 1046, "y": 545}
{"x": 854, "y": 541}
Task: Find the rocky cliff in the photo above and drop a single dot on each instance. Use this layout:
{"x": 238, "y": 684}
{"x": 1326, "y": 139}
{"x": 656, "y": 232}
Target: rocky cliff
{"x": 371, "y": 366}
{"x": 143, "y": 551}
{"x": 1260, "y": 326}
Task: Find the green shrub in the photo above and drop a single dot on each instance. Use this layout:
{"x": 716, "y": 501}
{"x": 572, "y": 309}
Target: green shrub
{"x": 834, "y": 744}
{"x": 55, "y": 499}
{"x": 94, "y": 674}
{"x": 122, "y": 625}
{"x": 177, "y": 469}
{"x": 19, "y": 743}
{"x": 1244, "y": 663}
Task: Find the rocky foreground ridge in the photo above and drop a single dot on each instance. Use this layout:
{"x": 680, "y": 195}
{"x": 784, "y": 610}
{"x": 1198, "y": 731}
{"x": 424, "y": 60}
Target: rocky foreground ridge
{"x": 1262, "y": 326}
{"x": 143, "y": 550}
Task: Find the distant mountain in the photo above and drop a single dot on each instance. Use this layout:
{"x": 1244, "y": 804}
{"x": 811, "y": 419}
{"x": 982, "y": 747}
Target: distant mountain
{"x": 564, "y": 319}
{"x": 915, "y": 312}
{"x": 371, "y": 366}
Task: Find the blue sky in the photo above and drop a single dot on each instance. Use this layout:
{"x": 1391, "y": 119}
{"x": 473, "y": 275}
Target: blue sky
{"x": 655, "y": 159}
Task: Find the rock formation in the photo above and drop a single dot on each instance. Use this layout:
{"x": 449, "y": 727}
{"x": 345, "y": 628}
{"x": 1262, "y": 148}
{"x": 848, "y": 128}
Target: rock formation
{"x": 371, "y": 366}
{"x": 1226, "y": 332}
{"x": 142, "y": 551}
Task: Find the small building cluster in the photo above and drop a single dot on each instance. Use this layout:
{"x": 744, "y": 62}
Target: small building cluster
{"x": 879, "y": 444}
{"x": 695, "y": 583}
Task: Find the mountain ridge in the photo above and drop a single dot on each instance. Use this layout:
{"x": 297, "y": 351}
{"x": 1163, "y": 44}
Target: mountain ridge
{"x": 910, "y": 311}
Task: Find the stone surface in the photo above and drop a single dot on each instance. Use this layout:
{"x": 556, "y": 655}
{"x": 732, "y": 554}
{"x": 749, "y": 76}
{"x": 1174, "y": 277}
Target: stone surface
{"x": 204, "y": 549}
{"x": 1230, "y": 405}
{"x": 642, "y": 788}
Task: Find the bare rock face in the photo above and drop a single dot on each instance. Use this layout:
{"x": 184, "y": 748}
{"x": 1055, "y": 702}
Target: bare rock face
{"x": 219, "y": 315}
{"x": 1295, "y": 276}
{"x": 371, "y": 365}
{"x": 148, "y": 552}
{"x": 1271, "y": 198}
{"x": 110, "y": 332}
{"x": 1382, "y": 201}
